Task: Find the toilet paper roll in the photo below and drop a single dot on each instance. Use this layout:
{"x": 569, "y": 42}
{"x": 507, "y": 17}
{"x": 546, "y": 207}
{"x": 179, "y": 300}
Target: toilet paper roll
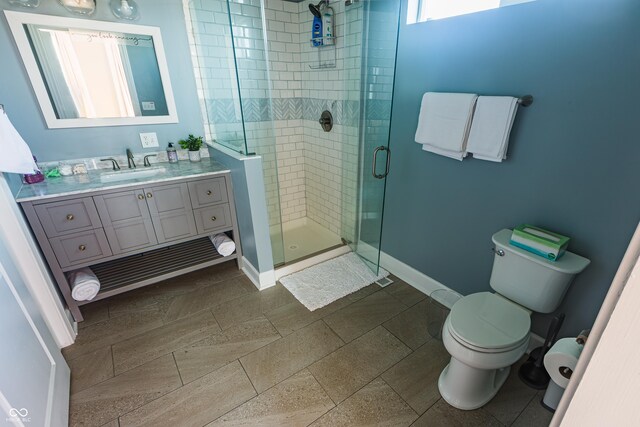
{"x": 561, "y": 360}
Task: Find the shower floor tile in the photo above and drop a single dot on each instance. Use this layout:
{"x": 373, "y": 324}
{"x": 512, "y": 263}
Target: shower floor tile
{"x": 301, "y": 237}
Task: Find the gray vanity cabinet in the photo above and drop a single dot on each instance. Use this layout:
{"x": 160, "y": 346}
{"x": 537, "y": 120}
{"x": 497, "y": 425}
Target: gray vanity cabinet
{"x": 135, "y": 235}
{"x": 171, "y": 212}
{"x": 126, "y": 220}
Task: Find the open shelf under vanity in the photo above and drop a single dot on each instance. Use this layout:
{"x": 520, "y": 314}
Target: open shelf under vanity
{"x": 135, "y": 271}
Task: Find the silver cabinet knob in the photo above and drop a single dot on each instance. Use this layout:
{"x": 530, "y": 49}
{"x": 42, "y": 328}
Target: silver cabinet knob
{"x": 140, "y": 196}
{"x": 149, "y": 195}
{"x": 213, "y": 218}
{"x": 70, "y": 217}
{"x": 209, "y": 192}
{"x": 82, "y": 248}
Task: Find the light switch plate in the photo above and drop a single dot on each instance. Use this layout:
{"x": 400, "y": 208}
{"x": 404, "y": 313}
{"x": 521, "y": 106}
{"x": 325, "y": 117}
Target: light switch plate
{"x": 149, "y": 140}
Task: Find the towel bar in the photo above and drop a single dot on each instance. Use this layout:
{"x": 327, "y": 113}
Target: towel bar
{"x": 526, "y": 100}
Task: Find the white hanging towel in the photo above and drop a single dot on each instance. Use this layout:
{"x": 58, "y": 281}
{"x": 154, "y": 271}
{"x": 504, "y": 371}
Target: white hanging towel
{"x": 15, "y": 155}
{"x": 444, "y": 123}
{"x": 491, "y": 127}
{"x": 224, "y": 245}
{"x": 84, "y": 284}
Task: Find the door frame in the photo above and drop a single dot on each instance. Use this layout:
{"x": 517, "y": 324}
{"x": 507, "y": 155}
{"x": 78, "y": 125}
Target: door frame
{"x": 601, "y": 354}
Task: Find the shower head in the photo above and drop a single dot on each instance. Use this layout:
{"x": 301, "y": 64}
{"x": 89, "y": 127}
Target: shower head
{"x": 315, "y": 9}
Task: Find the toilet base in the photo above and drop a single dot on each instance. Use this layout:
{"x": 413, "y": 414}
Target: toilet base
{"x": 467, "y": 388}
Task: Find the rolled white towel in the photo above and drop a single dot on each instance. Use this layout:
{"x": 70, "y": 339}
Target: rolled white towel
{"x": 84, "y": 284}
{"x": 224, "y": 245}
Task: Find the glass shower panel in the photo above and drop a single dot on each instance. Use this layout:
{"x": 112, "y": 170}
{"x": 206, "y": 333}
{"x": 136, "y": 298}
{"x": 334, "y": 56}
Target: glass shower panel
{"x": 354, "y": 27}
{"x": 249, "y": 40}
{"x": 215, "y": 69}
{"x": 381, "y": 19}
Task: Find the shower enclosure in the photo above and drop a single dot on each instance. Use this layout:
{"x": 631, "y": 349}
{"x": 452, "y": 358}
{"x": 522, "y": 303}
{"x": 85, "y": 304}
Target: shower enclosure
{"x": 269, "y": 86}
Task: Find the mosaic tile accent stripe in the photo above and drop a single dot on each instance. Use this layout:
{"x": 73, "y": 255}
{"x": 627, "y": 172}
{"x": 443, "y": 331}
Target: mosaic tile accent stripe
{"x": 261, "y": 110}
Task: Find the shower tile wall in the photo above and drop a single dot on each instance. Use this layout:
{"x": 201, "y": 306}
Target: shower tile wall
{"x": 282, "y": 98}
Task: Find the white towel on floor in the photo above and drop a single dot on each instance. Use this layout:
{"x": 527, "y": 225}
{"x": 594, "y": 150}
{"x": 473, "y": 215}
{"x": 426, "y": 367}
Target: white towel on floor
{"x": 84, "y": 284}
{"x": 444, "y": 123}
{"x": 15, "y": 155}
{"x": 224, "y": 245}
{"x": 491, "y": 127}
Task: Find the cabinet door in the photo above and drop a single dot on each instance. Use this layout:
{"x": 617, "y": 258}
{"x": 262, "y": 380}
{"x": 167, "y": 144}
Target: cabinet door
{"x": 126, "y": 220}
{"x": 171, "y": 212}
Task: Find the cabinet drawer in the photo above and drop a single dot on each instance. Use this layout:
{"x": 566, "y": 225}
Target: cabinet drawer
{"x": 69, "y": 216}
{"x": 212, "y": 218}
{"x": 80, "y": 247}
{"x": 208, "y": 192}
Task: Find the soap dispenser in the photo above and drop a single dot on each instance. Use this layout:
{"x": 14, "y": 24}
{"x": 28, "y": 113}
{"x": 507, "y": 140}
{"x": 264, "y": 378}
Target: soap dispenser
{"x": 172, "y": 154}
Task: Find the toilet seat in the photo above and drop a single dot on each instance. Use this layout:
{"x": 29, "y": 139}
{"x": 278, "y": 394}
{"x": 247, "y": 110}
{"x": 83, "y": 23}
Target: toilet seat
{"x": 489, "y": 323}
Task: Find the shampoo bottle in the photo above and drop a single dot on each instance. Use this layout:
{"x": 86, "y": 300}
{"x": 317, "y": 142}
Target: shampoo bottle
{"x": 316, "y": 32}
{"x": 327, "y": 26}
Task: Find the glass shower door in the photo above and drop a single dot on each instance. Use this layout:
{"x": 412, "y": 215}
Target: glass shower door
{"x": 380, "y": 23}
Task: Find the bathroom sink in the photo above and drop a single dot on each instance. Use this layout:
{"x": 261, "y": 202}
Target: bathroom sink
{"x": 131, "y": 174}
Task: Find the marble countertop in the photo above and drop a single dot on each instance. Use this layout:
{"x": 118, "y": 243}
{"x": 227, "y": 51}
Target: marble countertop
{"x": 79, "y": 184}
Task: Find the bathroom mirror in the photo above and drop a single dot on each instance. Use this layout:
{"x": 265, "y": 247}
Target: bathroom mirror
{"x": 93, "y": 73}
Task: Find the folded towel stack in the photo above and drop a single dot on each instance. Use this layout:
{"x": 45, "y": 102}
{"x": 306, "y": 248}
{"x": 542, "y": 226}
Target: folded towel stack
{"x": 84, "y": 284}
{"x": 224, "y": 245}
{"x": 491, "y": 127}
{"x": 444, "y": 123}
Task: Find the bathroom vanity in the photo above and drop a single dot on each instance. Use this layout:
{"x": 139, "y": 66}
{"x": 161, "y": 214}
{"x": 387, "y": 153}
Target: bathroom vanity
{"x": 132, "y": 231}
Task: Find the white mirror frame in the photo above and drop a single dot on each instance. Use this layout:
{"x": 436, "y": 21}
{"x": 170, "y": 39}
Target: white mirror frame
{"x": 17, "y": 20}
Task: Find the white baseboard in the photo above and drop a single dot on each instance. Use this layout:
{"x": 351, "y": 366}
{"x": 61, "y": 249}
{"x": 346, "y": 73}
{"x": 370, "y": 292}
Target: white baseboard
{"x": 426, "y": 285}
{"x": 415, "y": 278}
{"x": 263, "y": 280}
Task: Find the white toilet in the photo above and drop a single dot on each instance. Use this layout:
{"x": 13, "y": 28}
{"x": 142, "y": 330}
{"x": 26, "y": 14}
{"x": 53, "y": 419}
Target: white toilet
{"x": 486, "y": 333}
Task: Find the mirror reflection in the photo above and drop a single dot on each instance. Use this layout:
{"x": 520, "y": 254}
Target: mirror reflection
{"x": 98, "y": 74}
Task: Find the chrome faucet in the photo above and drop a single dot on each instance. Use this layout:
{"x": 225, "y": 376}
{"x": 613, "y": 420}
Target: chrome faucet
{"x": 132, "y": 164}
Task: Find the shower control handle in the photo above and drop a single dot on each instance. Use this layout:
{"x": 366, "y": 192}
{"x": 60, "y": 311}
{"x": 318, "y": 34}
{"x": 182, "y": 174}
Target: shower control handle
{"x": 375, "y": 162}
{"x": 326, "y": 121}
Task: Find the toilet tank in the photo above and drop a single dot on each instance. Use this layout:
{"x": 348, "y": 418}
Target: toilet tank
{"x": 531, "y": 280}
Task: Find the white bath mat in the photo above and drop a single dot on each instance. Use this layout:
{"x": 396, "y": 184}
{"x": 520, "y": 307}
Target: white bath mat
{"x": 328, "y": 281}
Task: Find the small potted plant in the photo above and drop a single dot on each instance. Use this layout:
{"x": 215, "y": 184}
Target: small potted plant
{"x": 193, "y": 144}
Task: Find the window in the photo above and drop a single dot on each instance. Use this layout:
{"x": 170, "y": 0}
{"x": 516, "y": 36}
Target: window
{"x": 425, "y": 10}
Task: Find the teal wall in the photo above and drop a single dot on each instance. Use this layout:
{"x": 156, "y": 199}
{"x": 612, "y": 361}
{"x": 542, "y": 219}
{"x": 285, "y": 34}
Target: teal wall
{"x": 573, "y": 157}
{"x": 251, "y": 205}
{"x": 59, "y": 144}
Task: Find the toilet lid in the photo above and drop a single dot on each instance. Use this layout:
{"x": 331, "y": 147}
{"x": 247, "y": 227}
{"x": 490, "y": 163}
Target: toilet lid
{"x": 489, "y": 321}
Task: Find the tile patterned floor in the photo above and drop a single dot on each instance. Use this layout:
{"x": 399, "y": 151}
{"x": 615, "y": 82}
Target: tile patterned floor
{"x": 208, "y": 349}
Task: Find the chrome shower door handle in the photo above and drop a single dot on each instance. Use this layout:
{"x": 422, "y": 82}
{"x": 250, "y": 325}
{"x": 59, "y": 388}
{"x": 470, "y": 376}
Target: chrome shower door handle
{"x": 375, "y": 162}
